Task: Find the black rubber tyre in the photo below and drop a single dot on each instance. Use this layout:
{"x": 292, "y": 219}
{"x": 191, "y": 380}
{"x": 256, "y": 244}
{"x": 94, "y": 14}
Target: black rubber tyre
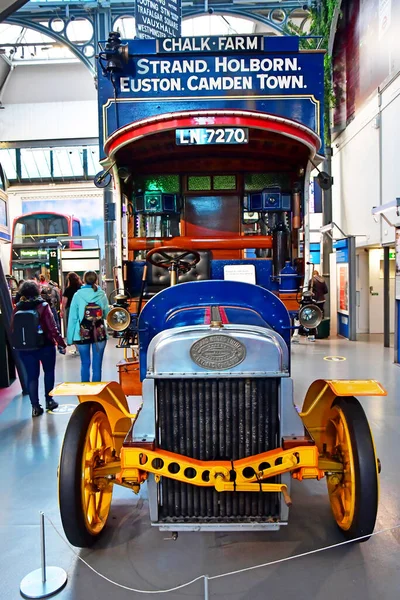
{"x": 364, "y": 482}
{"x": 73, "y": 472}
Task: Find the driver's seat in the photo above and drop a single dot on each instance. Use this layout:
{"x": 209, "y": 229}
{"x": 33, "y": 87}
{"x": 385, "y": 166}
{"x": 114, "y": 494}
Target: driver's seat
{"x": 158, "y": 278}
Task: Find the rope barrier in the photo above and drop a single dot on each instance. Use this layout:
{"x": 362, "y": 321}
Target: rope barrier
{"x": 281, "y": 560}
{"x": 120, "y": 585}
{"x": 207, "y": 578}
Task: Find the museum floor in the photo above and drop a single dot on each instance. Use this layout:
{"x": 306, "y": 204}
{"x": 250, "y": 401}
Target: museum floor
{"x": 136, "y": 555}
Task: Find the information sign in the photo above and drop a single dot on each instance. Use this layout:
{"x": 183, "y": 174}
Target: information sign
{"x": 158, "y": 18}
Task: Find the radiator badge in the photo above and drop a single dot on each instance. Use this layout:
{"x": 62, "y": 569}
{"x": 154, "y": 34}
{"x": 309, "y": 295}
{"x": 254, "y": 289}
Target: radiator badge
{"x": 218, "y": 352}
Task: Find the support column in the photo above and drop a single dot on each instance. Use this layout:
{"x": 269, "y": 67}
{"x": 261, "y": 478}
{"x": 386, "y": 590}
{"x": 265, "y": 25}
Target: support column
{"x": 109, "y": 237}
{"x": 397, "y": 332}
{"x": 386, "y": 297}
{"x": 352, "y": 288}
{"x": 326, "y": 220}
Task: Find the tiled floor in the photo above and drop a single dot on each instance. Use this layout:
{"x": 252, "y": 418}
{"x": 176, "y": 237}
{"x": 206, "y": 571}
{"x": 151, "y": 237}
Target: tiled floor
{"x": 136, "y": 555}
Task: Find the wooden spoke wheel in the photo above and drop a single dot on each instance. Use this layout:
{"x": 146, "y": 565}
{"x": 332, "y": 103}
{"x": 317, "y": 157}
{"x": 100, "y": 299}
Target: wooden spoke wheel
{"x": 354, "y": 493}
{"x": 84, "y": 501}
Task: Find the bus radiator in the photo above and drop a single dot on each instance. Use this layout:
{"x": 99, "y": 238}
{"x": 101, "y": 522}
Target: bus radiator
{"x": 211, "y": 419}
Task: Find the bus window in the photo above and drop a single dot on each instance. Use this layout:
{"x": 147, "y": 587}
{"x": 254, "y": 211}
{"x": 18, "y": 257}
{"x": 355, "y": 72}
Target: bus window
{"x": 3, "y": 213}
{"x": 76, "y": 231}
{"x": 76, "y": 227}
{"x": 36, "y": 227}
{"x": 3, "y": 185}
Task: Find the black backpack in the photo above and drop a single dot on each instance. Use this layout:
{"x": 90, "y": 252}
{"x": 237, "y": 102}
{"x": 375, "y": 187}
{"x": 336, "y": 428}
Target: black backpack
{"x": 27, "y": 331}
{"x": 92, "y": 327}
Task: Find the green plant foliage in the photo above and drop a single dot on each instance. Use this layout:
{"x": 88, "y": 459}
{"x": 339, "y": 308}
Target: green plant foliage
{"x": 321, "y": 21}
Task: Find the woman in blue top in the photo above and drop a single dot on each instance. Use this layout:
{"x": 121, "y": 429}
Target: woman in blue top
{"x": 89, "y": 293}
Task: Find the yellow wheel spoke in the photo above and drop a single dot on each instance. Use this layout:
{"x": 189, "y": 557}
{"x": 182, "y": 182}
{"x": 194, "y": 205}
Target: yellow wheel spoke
{"x": 93, "y": 436}
{"x": 342, "y": 495}
{"x": 97, "y": 449}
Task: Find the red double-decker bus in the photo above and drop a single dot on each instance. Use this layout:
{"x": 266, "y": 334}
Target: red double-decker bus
{"x": 36, "y": 237}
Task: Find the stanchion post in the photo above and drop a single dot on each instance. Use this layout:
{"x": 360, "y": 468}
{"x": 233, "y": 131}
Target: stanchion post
{"x": 45, "y": 581}
{"x": 42, "y": 547}
{"x": 206, "y": 596}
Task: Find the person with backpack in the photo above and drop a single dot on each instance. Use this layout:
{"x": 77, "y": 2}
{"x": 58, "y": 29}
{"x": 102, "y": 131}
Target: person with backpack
{"x": 73, "y": 284}
{"x": 50, "y": 295}
{"x": 86, "y": 326}
{"x": 34, "y": 336}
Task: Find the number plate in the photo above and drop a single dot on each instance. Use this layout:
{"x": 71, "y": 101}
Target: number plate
{"x": 217, "y": 135}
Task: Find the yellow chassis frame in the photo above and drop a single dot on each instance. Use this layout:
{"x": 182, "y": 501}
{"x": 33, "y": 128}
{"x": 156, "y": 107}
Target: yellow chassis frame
{"x": 248, "y": 474}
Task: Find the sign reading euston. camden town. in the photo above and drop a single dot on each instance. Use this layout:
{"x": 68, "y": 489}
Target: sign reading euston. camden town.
{"x": 158, "y": 18}
{"x": 228, "y": 73}
{"x": 213, "y": 74}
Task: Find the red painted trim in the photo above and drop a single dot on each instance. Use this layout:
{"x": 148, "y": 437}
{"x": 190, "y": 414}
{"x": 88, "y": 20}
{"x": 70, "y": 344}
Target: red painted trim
{"x": 207, "y": 316}
{"x": 223, "y": 316}
{"x": 135, "y": 131}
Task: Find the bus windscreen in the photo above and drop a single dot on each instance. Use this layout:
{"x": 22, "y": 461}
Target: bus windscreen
{"x": 34, "y": 228}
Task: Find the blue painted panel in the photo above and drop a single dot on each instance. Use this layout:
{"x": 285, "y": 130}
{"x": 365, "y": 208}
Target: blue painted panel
{"x": 343, "y": 325}
{"x": 286, "y": 43}
{"x": 315, "y": 258}
{"x": 185, "y": 317}
{"x": 197, "y": 316}
{"x": 245, "y": 316}
{"x": 342, "y": 251}
{"x": 278, "y": 82}
{"x": 156, "y": 312}
{"x": 134, "y": 274}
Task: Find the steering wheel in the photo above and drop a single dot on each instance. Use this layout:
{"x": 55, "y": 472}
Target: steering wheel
{"x": 170, "y": 262}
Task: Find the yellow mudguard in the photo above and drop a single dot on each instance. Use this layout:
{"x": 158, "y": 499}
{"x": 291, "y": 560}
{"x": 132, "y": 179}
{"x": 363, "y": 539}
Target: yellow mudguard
{"x": 110, "y": 396}
{"x": 321, "y": 395}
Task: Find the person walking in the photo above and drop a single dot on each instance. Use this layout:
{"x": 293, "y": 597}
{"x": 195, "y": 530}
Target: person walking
{"x": 74, "y": 283}
{"x": 50, "y": 295}
{"x": 86, "y": 326}
{"x": 317, "y": 285}
{"x": 35, "y": 335}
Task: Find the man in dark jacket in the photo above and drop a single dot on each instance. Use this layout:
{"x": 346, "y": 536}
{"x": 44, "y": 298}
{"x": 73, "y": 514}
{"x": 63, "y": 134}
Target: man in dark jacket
{"x": 319, "y": 288}
{"x": 46, "y": 355}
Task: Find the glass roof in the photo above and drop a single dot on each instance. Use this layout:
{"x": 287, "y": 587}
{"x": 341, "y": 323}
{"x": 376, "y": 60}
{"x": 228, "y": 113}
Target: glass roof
{"x": 55, "y": 164}
{"x": 217, "y": 25}
{"x": 24, "y": 45}
{"x": 31, "y": 46}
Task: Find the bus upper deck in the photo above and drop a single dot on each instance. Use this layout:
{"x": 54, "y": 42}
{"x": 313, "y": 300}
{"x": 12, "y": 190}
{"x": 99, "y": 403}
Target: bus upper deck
{"x": 35, "y": 242}
{"x": 211, "y": 145}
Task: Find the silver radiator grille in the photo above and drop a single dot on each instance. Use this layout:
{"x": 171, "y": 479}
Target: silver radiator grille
{"x": 216, "y": 419}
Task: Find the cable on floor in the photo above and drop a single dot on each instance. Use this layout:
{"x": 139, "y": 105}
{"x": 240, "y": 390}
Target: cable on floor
{"x": 230, "y": 573}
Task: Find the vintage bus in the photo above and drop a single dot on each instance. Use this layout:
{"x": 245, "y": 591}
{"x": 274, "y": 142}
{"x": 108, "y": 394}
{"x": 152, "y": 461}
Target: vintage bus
{"x": 211, "y": 143}
{"x": 36, "y": 238}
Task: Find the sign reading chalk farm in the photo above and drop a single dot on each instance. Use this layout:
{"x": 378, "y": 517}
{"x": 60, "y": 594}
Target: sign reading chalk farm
{"x": 230, "y": 43}
{"x": 158, "y": 18}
